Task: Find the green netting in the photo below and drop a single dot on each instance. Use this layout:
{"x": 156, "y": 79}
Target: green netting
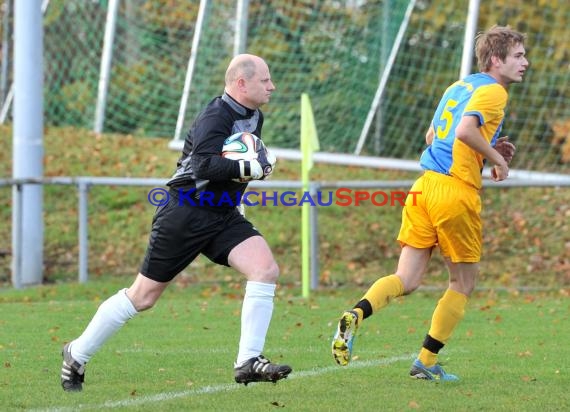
{"x": 335, "y": 51}
{"x": 72, "y": 43}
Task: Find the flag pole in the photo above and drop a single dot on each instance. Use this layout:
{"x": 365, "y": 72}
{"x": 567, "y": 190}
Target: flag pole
{"x": 309, "y": 143}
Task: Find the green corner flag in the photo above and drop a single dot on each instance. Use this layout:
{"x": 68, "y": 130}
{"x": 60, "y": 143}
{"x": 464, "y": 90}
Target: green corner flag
{"x": 309, "y": 144}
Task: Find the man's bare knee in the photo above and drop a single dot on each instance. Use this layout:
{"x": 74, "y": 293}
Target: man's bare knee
{"x": 268, "y": 274}
{"x": 144, "y": 292}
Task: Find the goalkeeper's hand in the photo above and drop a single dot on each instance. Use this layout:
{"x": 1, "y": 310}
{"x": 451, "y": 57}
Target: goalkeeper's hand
{"x": 257, "y": 169}
{"x": 249, "y": 170}
{"x": 267, "y": 161}
{"x": 260, "y": 168}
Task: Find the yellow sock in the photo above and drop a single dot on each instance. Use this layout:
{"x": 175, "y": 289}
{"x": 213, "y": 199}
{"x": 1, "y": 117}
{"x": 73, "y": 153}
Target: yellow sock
{"x": 446, "y": 316}
{"x": 360, "y": 314}
{"x": 384, "y": 290}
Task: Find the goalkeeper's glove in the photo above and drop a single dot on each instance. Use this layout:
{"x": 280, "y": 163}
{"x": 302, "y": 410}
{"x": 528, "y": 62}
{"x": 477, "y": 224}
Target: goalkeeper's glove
{"x": 267, "y": 161}
{"x": 250, "y": 170}
{"x": 257, "y": 169}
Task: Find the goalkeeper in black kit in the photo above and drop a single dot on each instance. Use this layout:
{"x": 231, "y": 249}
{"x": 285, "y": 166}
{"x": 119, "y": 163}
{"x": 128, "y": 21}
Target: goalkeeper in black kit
{"x": 180, "y": 231}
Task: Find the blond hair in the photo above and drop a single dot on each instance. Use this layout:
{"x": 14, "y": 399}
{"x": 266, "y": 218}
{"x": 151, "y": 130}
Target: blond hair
{"x": 495, "y": 42}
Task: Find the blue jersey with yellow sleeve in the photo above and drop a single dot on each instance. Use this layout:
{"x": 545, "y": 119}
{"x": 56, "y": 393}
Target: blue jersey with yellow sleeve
{"x": 477, "y": 95}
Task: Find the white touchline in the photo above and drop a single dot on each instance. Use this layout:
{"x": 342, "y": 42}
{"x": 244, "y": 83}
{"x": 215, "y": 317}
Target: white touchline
{"x": 167, "y": 396}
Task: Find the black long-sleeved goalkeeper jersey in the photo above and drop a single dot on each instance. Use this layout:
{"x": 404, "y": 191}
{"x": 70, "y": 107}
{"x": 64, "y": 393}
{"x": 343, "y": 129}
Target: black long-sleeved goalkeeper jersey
{"x": 201, "y": 168}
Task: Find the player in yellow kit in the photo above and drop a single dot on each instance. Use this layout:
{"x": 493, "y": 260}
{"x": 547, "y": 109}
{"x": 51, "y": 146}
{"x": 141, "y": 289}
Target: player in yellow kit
{"x": 462, "y": 136}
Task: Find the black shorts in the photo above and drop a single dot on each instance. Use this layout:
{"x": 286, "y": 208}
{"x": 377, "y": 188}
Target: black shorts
{"x": 181, "y": 232}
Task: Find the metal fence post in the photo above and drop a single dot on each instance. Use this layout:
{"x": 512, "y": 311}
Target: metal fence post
{"x": 83, "y": 189}
{"x": 17, "y": 236}
{"x": 314, "y": 239}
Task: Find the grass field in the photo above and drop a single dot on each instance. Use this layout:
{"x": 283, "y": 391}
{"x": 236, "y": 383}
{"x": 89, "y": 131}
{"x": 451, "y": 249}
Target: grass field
{"x": 511, "y": 352}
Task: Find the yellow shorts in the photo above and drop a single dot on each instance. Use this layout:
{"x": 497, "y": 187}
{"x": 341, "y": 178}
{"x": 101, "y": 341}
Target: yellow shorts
{"x": 443, "y": 211}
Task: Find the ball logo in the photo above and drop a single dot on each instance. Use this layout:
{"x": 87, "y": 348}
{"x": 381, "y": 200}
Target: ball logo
{"x": 240, "y": 145}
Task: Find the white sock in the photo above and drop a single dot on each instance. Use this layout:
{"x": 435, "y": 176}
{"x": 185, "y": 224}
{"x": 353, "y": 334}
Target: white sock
{"x": 110, "y": 316}
{"x": 255, "y": 318}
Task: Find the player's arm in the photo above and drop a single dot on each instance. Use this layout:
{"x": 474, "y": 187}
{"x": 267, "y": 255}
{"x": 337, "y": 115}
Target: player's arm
{"x": 430, "y": 134}
{"x": 207, "y": 141}
{"x": 211, "y": 166}
{"x": 208, "y": 164}
{"x": 468, "y": 132}
{"x": 214, "y": 167}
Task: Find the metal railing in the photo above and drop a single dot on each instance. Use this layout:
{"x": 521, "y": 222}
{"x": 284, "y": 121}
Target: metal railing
{"x": 83, "y": 183}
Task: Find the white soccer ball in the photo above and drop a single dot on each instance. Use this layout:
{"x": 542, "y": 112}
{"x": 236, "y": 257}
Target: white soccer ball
{"x": 242, "y": 146}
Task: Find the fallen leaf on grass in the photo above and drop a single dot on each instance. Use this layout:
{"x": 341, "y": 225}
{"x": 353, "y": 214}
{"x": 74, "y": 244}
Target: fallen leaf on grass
{"x": 525, "y": 354}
